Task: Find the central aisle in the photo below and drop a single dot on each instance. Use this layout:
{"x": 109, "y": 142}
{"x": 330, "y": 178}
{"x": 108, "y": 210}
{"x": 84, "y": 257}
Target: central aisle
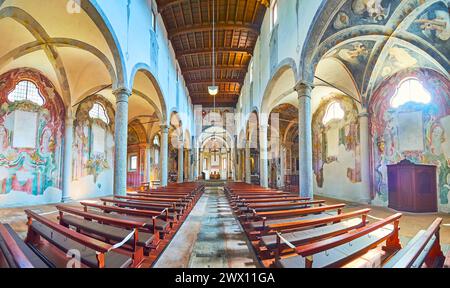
{"x": 211, "y": 237}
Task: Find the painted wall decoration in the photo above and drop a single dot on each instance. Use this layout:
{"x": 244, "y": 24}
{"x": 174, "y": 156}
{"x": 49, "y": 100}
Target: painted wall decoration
{"x": 362, "y": 12}
{"x": 429, "y": 133}
{"x": 31, "y": 136}
{"x": 433, "y": 25}
{"x": 93, "y": 140}
{"x": 355, "y": 57}
{"x": 329, "y": 137}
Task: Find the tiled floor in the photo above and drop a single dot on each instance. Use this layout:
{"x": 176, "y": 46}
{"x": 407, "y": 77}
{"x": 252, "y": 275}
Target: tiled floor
{"x": 211, "y": 237}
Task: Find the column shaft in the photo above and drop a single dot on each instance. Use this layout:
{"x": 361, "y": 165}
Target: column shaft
{"x": 164, "y": 154}
{"x": 180, "y": 163}
{"x": 248, "y": 172}
{"x": 264, "y": 163}
{"x": 365, "y": 156}
{"x": 304, "y": 91}
{"x": 121, "y": 142}
{"x": 67, "y": 172}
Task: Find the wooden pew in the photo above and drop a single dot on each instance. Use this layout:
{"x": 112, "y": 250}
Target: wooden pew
{"x": 93, "y": 253}
{"x": 423, "y": 250}
{"x": 162, "y": 213}
{"x": 14, "y": 253}
{"x": 111, "y": 229}
{"x": 311, "y": 230}
{"x": 144, "y": 205}
{"x": 264, "y": 216}
{"x": 339, "y": 250}
{"x": 257, "y": 226}
{"x": 137, "y": 214}
{"x": 264, "y": 207}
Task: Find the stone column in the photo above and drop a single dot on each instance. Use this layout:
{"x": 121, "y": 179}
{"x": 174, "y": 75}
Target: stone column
{"x": 189, "y": 167}
{"x": 148, "y": 165}
{"x": 180, "y": 162}
{"x": 248, "y": 172}
{"x": 229, "y": 161}
{"x": 264, "y": 157}
{"x": 200, "y": 164}
{"x": 282, "y": 165}
{"x": 235, "y": 160}
{"x": 196, "y": 166}
{"x": 67, "y": 172}
{"x": 365, "y": 156}
{"x": 121, "y": 141}
{"x": 304, "y": 91}
{"x": 164, "y": 154}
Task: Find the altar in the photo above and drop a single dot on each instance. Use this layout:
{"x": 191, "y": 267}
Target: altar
{"x": 214, "y": 176}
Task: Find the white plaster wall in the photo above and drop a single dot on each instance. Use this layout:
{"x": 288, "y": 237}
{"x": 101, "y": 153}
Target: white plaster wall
{"x": 134, "y": 40}
{"x": 336, "y": 184}
{"x": 294, "y": 21}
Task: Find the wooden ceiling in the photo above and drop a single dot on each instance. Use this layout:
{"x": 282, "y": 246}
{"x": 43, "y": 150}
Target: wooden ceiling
{"x": 189, "y": 24}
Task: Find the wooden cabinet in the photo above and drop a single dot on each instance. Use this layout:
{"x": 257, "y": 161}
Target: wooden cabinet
{"x": 412, "y": 188}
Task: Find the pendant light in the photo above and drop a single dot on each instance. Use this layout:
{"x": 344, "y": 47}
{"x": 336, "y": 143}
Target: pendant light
{"x": 213, "y": 90}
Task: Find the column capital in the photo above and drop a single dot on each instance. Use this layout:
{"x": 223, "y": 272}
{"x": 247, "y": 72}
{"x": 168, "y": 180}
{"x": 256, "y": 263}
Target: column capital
{"x": 122, "y": 94}
{"x": 164, "y": 128}
{"x": 363, "y": 113}
{"x": 69, "y": 119}
{"x": 304, "y": 89}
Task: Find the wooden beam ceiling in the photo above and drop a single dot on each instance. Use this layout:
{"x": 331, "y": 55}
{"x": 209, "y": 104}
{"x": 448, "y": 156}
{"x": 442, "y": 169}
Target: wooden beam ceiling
{"x": 189, "y": 26}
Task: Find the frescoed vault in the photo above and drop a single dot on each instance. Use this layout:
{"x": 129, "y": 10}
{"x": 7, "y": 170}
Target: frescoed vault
{"x": 31, "y": 135}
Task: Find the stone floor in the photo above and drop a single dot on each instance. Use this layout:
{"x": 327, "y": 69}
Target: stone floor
{"x": 211, "y": 237}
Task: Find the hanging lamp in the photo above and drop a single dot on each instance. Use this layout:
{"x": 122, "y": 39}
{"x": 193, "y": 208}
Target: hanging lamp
{"x": 213, "y": 90}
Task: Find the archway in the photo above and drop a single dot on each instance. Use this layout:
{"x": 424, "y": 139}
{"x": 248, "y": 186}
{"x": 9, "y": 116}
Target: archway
{"x": 147, "y": 112}
{"x": 283, "y": 147}
{"x": 80, "y": 63}
{"x": 252, "y": 167}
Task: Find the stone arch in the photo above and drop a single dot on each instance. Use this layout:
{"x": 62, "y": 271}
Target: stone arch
{"x": 286, "y": 65}
{"x": 145, "y": 68}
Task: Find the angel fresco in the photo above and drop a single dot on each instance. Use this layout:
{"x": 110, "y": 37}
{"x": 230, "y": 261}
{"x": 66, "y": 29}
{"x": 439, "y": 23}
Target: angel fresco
{"x": 374, "y": 10}
{"x": 355, "y": 54}
{"x": 435, "y": 25}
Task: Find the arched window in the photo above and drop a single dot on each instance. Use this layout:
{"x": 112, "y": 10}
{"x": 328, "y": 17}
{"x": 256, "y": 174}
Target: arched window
{"x": 334, "y": 112}
{"x": 156, "y": 141}
{"x": 410, "y": 90}
{"x": 99, "y": 112}
{"x": 26, "y": 91}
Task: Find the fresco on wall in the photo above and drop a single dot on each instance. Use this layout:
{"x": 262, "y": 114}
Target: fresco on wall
{"x": 347, "y": 135}
{"x": 355, "y": 57}
{"x": 30, "y": 150}
{"x": 88, "y": 159}
{"x": 431, "y": 141}
{"x": 433, "y": 25}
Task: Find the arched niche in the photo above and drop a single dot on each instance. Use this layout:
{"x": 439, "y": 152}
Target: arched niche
{"x": 31, "y": 138}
